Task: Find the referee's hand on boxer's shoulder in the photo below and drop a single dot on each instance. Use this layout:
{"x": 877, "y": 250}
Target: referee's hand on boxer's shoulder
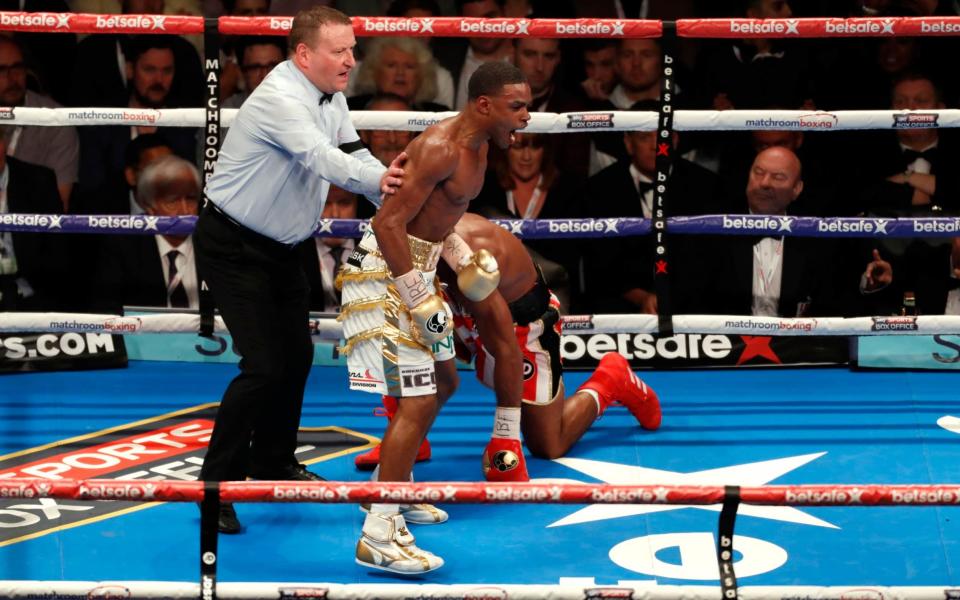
{"x": 393, "y": 177}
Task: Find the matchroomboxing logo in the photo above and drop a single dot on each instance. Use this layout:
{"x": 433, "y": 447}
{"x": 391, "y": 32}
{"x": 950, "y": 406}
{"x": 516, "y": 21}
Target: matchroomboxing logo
{"x": 168, "y": 447}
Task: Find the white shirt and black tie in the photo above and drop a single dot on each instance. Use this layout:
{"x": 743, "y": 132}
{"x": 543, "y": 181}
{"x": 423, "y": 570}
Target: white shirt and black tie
{"x": 767, "y": 276}
{"x": 644, "y": 186}
{"x": 330, "y": 259}
{"x": 287, "y": 144}
{"x": 179, "y": 273}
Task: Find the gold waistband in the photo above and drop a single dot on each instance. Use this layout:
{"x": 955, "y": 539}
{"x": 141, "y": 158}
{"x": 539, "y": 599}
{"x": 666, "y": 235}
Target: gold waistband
{"x": 425, "y": 255}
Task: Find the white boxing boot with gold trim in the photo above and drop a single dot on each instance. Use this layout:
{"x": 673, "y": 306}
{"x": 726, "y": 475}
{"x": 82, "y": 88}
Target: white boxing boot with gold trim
{"x": 418, "y": 514}
{"x": 388, "y": 545}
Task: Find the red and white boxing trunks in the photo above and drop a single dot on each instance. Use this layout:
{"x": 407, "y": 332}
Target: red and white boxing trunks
{"x": 537, "y": 325}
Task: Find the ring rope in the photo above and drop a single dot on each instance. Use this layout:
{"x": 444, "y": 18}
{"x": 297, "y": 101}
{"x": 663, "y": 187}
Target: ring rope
{"x": 329, "y": 328}
{"x": 920, "y": 495}
{"x": 540, "y": 122}
{"x": 173, "y": 590}
{"x": 349, "y": 492}
{"x": 869, "y": 227}
{"x": 500, "y": 27}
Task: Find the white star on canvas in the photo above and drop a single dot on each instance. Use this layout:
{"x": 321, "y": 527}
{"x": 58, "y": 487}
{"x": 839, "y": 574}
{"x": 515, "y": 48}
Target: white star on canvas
{"x": 747, "y": 474}
{"x": 950, "y": 423}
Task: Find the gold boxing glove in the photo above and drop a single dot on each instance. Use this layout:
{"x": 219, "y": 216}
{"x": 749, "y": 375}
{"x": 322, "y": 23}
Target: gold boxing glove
{"x": 427, "y": 311}
{"x": 479, "y": 276}
{"x": 430, "y": 319}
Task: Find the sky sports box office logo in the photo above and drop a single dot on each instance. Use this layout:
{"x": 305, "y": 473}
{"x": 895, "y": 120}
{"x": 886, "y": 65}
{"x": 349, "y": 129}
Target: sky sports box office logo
{"x": 166, "y": 447}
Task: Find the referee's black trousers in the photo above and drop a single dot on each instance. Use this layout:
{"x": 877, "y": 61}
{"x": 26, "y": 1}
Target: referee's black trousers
{"x": 262, "y": 293}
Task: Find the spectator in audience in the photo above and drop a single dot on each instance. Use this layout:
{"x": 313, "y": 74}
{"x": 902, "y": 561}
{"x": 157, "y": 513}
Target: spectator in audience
{"x": 48, "y": 55}
{"x": 638, "y": 67}
{"x": 419, "y": 9}
{"x": 247, "y": 8}
{"x": 257, "y": 56}
{"x": 322, "y": 256}
{"x": 599, "y": 62}
{"x": 755, "y": 71}
{"x": 524, "y": 182}
{"x": 539, "y": 59}
{"x": 288, "y": 8}
{"x": 142, "y": 151}
{"x": 933, "y": 276}
{"x": 57, "y": 148}
{"x": 414, "y": 9}
{"x": 33, "y": 266}
{"x": 668, "y": 10}
{"x": 231, "y": 57}
{"x": 789, "y": 276}
{"x": 400, "y": 66}
{"x": 820, "y": 179}
{"x": 102, "y": 148}
{"x": 914, "y": 166}
{"x": 160, "y": 270}
{"x": 462, "y": 59}
{"x": 96, "y": 81}
{"x": 386, "y": 144}
{"x": 626, "y": 189}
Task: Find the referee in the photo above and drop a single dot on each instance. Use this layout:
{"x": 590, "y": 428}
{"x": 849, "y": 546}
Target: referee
{"x": 291, "y": 139}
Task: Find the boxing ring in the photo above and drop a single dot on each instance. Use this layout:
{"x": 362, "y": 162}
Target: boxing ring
{"x": 800, "y": 454}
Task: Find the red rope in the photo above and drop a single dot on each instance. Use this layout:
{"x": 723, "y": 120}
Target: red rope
{"x": 487, "y": 493}
{"x": 511, "y": 28}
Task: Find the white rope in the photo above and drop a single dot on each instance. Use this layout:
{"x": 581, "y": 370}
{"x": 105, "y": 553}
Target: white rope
{"x": 330, "y": 328}
{"x": 92, "y": 590}
{"x": 684, "y": 120}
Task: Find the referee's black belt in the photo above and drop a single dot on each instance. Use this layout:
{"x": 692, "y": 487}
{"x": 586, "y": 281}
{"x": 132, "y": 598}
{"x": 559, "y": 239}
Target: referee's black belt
{"x": 257, "y": 239}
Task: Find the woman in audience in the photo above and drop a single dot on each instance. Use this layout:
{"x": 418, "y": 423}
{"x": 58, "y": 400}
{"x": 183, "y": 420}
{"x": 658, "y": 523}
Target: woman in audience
{"x": 400, "y": 66}
{"x": 523, "y": 182}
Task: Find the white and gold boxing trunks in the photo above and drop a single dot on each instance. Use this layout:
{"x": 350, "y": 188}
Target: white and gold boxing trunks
{"x": 384, "y": 353}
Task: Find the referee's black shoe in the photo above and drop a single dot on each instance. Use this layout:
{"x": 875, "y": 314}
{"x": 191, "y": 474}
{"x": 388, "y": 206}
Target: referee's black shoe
{"x": 227, "y": 521}
{"x": 292, "y": 472}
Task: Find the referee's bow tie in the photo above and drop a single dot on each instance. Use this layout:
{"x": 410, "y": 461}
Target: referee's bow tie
{"x": 325, "y": 98}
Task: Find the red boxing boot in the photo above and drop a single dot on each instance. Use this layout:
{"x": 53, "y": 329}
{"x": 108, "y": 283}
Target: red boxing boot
{"x": 369, "y": 460}
{"x": 614, "y": 381}
{"x": 503, "y": 461}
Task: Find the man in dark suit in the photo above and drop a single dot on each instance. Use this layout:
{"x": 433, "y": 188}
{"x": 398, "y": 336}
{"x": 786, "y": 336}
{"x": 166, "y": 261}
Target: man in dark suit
{"x": 98, "y": 79}
{"x": 619, "y": 271}
{"x": 322, "y": 256}
{"x": 151, "y": 69}
{"x": 33, "y": 266}
{"x": 461, "y": 58}
{"x": 160, "y": 270}
{"x": 913, "y": 168}
{"x": 788, "y": 276}
{"x": 932, "y": 275}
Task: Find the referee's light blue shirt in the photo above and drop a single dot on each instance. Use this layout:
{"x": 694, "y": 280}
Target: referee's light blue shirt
{"x": 282, "y": 153}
